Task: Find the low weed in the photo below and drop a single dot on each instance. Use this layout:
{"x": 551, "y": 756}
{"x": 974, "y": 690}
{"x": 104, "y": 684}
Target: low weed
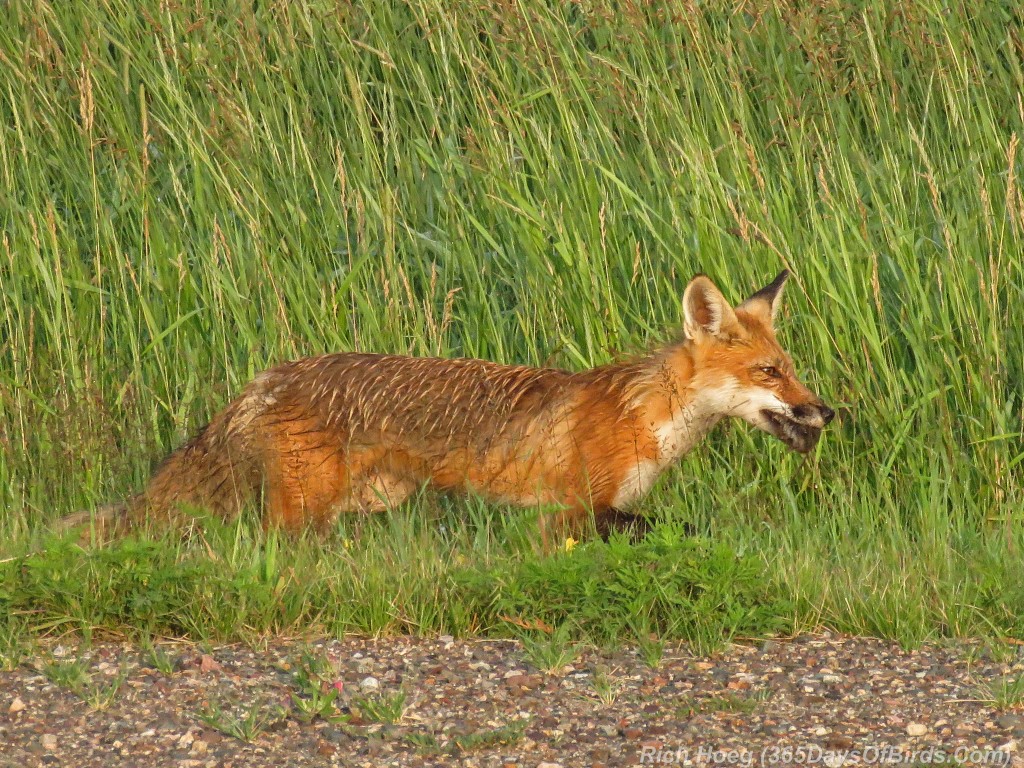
{"x": 88, "y": 686}
{"x": 726, "y": 702}
{"x": 606, "y": 690}
{"x": 674, "y": 585}
{"x": 319, "y": 689}
{"x": 1006, "y": 692}
{"x": 388, "y": 708}
{"x": 453, "y": 744}
{"x": 550, "y": 652}
{"x": 159, "y": 659}
{"x": 15, "y": 644}
{"x": 243, "y": 722}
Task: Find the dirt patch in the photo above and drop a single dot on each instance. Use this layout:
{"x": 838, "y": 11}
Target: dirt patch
{"x": 410, "y": 702}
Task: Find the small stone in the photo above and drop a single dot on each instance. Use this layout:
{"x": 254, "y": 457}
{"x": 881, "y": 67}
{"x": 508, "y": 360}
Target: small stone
{"x": 208, "y": 664}
{"x": 821, "y": 731}
{"x": 369, "y": 684}
{"x": 549, "y": 765}
{"x": 165, "y": 723}
{"x": 1007, "y": 722}
{"x": 198, "y": 747}
{"x": 916, "y": 729}
{"x": 48, "y": 741}
{"x": 16, "y": 706}
{"x": 838, "y": 741}
{"x": 326, "y": 749}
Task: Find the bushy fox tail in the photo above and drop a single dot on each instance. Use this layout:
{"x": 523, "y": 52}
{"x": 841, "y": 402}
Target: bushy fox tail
{"x": 107, "y": 521}
{"x": 216, "y": 471}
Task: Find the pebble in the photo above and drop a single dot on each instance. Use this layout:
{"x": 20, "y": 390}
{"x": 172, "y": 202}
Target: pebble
{"x": 16, "y": 706}
{"x": 549, "y": 765}
{"x": 1007, "y": 722}
{"x": 326, "y": 749}
{"x": 837, "y": 741}
{"x": 917, "y": 729}
{"x": 369, "y": 684}
{"x": 49, "y": 742}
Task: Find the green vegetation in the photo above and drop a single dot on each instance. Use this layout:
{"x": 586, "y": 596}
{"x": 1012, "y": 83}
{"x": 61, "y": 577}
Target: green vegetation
{"x": 379, "y": 708}
{"x": 505, "y": 735}
{"x": 1004, "y": 693}
{"x": 190, "y": 192}
{"x": 403, "y": 575}
{"x": 74, "y": 676}
{"x": 729, "y": 702}
{"x": 319, "y": 688}
{"x": 244, "y": 722}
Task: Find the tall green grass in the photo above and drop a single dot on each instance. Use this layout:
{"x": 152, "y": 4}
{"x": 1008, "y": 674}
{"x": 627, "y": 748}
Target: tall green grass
{"x": 190, "y": 192}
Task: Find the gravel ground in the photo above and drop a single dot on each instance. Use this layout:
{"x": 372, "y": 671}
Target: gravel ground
{"x": 825, "y": 699}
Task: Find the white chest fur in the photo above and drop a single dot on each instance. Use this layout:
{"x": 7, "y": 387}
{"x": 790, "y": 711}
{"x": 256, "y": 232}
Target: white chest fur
{"x": 673, "y": 437}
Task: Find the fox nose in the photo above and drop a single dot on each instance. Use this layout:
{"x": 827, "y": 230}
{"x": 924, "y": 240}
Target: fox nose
{"x": 811, "y": 413}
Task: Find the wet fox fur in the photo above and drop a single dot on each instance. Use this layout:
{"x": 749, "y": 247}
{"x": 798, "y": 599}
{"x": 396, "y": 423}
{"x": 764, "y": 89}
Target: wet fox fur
{"x": 355, "y": 432}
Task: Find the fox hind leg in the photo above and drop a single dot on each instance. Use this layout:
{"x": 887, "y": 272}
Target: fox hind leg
{"x": 611, "y": 519}
{"x": 311, "y": 486}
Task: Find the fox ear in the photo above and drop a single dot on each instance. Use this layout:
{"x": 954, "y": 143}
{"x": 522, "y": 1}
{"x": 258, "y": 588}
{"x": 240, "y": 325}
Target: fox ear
{"x": 766, "y": 302}
{"x": 706, "y": 311}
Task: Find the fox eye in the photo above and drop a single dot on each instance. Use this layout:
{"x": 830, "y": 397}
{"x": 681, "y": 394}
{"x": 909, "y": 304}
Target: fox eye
{"x": 771, "y": 372}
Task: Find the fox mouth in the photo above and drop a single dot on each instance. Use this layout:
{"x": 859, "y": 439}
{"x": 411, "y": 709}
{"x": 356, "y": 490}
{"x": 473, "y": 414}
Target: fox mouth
{"x": 797, "y": 435}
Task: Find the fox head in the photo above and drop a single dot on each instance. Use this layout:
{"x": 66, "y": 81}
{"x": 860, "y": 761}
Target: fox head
{"x": 741, "y": 370}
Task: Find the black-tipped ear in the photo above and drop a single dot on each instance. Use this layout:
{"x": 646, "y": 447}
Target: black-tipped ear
{"x": 766, "y": 302}
{"x": 706, "y": 311}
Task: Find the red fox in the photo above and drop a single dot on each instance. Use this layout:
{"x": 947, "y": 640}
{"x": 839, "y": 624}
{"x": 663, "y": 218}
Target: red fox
{"x": 353, "y": 432}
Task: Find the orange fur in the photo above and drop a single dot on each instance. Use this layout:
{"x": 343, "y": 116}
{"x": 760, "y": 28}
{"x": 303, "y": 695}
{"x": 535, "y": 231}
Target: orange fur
{"x": 355, "y": 432}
